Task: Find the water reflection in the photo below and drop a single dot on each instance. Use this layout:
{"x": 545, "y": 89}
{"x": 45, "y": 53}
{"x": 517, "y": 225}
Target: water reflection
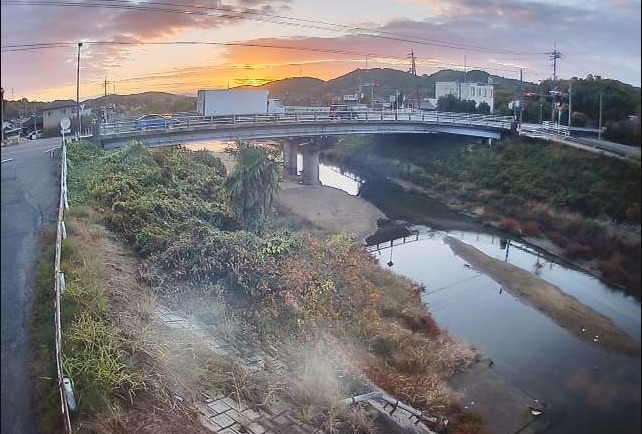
{"x": 590, "y": 390}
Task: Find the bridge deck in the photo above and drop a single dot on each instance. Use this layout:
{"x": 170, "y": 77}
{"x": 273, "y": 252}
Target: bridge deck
{"x": 187, "y": 128}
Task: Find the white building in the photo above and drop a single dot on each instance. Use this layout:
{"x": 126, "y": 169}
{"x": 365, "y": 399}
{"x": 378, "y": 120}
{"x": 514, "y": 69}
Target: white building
{"x": 471, "y": 91}
{"x": 54, "y": 112}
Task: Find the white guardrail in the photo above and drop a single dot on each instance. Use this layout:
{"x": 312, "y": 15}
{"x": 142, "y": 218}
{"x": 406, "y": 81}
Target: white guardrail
{"x": 67, "y": 400}
{"x": 189, "y": 121}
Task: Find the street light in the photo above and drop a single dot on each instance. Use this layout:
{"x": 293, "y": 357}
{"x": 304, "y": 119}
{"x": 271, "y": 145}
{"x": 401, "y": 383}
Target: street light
{"x": 78, "y": 91}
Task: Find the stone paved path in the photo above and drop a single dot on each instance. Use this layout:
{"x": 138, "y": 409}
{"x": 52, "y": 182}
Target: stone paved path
{"x": 221, "y": 413}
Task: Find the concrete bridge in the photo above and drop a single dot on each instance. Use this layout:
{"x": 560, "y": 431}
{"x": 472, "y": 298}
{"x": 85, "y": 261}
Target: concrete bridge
{"x": 188, "y": 128}
{"x": 192, "y": 128}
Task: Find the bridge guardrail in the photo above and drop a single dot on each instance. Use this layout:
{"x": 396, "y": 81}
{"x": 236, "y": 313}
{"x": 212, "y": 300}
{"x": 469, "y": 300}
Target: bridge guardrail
{"x": 181, "y": 122}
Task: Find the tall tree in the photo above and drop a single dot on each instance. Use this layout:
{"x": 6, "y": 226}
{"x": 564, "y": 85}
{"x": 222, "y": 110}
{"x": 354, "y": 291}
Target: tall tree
{"x": 254, "y": 182}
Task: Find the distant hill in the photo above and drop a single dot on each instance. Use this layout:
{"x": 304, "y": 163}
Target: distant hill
{"x": 307, "y": 90}
{"x": 620, "y": 100}
{"x": 146, "y": 102}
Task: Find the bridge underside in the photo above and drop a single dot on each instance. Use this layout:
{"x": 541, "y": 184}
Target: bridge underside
{"x": 199, "y": 134}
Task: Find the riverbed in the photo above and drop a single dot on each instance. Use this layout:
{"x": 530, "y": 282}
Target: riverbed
{"x": 587, "y": 389}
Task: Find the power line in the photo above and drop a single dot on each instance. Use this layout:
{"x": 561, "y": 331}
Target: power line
{"x": 155, "y": 6}
{"x": 48, "y": 45}
{"x": 450, "y": 285}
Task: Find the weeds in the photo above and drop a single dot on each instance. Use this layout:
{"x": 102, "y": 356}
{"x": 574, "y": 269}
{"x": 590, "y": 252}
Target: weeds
{"x": 46, "y": 396}
{"x": 173, "y": 207}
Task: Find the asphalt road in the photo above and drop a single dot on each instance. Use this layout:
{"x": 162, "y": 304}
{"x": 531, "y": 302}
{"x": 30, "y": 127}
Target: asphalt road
{"x": 30, "y": 194}
{"x": 585, "y": 143}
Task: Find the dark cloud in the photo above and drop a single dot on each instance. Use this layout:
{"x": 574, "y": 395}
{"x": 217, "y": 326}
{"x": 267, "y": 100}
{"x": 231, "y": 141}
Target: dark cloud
{"x": 595, "y": 37}
{"x": 36, "y": 23}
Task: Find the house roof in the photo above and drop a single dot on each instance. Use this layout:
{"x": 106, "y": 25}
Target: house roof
{"x": 59, "y": 104}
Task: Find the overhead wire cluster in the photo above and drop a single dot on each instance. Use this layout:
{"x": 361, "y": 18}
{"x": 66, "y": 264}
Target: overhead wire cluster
{"x": 236, "y": 14}
{"x": 251, "y": 14}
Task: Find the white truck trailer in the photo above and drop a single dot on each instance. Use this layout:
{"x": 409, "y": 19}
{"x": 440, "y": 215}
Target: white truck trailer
{"x": 235, "y": 102}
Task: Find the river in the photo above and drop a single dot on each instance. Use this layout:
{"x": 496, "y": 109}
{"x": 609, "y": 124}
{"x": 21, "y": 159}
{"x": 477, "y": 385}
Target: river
{"x": 588, "y": 389}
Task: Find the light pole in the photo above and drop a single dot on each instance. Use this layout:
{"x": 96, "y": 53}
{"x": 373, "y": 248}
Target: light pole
{"x": 78, "y": 90}
{"x": 396, "y": 103}
{"x": 599, "y": 132}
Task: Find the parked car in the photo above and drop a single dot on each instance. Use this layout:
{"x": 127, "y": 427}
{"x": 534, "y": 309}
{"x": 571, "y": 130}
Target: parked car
{"x": 151, "y": 121}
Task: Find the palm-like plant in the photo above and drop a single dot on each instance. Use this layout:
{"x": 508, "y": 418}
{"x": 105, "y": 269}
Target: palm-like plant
{"x": 253, "y": 182}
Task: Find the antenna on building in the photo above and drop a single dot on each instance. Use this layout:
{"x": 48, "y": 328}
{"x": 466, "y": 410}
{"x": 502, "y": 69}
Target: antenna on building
{"x": 554, "y": 55}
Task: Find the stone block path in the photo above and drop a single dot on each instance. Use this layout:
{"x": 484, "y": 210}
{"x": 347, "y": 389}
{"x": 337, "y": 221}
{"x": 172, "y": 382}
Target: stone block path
{"x": 222, "y": 414}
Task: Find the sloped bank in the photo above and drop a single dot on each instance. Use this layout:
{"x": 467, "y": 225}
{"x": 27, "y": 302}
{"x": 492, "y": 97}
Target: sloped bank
{"x": 173, "y": 208}
{"x": 561, "y": 200}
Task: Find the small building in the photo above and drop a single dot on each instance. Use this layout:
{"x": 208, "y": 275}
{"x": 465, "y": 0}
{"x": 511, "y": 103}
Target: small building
{"x": 477, "y": 92}
{"x": 352, "y": 97}
{"x": 53, "y": 113}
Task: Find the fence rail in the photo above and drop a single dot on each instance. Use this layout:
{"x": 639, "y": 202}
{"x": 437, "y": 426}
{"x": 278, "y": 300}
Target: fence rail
{"x": 189, "y": 121}
{"x": 64, "y": 384}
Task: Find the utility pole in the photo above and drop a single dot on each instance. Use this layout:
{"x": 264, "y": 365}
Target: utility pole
{"x": 554, "y": 55}
{"x": 521, "y": 81}
{"x": 396, "y": 104}
{"x": 78, "y": 90}
{"x": 541, "y": 106}
{"x": 599, "y": 133}
{"x": 105, "y": 85}
{"x": 2, "y": 112}
{"x": 413, "y": 71}
{"x": 465, "y": 71}
{"x": 570, "y": 105}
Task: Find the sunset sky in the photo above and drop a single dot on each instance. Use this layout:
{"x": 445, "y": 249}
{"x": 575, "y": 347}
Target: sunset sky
{"x": 600, "y": 37}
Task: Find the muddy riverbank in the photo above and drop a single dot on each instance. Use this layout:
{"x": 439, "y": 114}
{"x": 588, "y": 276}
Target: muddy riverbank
{"x": 585, "y": 323}
{"x": 329, "y": 209}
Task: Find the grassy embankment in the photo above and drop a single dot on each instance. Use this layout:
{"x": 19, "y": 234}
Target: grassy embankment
{"x": 172, "y": 207}
{"x": 587, "y": 205}
{"x": 108, "y": 342}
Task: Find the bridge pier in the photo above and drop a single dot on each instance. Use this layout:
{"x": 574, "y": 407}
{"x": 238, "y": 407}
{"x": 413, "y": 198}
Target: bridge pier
{"x": 311, "y": 167}
{"x": 289, "y": 158}
{"x": 488, "y": 141}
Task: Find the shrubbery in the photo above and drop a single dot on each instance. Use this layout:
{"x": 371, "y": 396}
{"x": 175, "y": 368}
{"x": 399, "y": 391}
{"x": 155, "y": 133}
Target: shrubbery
{"x": 176, "y": 208}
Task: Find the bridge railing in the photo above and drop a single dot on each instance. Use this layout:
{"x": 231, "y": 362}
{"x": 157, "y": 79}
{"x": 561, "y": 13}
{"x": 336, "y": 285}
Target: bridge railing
{"x": 191, "y": 121}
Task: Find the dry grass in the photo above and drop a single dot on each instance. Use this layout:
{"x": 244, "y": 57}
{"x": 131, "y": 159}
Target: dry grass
{"x": 236, "y": 379}
{"x": 171, "y": 362}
